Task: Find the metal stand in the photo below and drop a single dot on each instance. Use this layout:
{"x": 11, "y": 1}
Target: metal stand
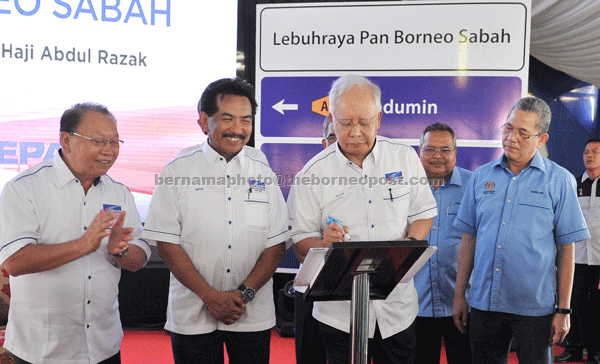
{"x": 359, "y": 320}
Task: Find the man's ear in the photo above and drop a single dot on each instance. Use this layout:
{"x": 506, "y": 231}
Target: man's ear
{"x": 203, "y": 122}
{"x": 65, "y": 141}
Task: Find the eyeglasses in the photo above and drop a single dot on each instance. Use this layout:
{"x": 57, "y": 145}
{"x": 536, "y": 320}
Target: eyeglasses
{"x": 445, "y": 152}
{"x": 363, "y": 123}
{"x": 508, "y": 129}
{"x": 101, "y": 142}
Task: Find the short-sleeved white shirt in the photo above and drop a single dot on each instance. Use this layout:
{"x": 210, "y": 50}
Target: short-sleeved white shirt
{"x": 69, "y": 314}
{"x": 376, "y": 202}
{"x": 223, "y": 215}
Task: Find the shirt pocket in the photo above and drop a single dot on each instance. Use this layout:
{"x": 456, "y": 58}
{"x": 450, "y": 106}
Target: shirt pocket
{"x": 256, "y": 209}
{"x": 396, "y": 202}
{"x": 535, "y": 215}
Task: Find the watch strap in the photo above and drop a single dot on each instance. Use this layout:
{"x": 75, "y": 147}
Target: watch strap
{"x": 564, "y": 311}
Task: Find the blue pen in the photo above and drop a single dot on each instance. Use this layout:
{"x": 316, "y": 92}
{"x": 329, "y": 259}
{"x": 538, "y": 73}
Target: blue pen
{"x": 331, "y": 219}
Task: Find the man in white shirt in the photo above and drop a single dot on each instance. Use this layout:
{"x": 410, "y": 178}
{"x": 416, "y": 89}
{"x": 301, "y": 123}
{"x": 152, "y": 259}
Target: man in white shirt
{"x": 64, "y": 242}
{"x": 376, "y": 186}
{"x": 221, "y": 224}
{"x": 585, "y": 299}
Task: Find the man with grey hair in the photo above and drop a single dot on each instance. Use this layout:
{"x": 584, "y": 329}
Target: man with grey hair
{"x": 66, "y": 230}
{"x": 382, "y": 211}
{"x": 328, "y": 134}
{"x": 436, "y": 280}
{"x": 519, "y": 217}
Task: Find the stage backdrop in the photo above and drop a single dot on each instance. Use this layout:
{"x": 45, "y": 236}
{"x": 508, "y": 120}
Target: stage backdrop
{"x": 457, "y": 62}
{"x": 146, "y": 60}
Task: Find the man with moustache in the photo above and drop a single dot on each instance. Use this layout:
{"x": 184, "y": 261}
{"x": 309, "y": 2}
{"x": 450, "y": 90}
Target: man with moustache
{"x": 519, "y": 218}
{"x": 66, "y": 231}
{"x": 435, "y": 281}
{"x": 378, "y": 212}
{"x": 585, "y": 300}
{"x": 222, "y": 239}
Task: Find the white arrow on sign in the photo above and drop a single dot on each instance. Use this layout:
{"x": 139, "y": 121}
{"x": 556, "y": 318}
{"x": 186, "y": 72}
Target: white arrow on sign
{"x": 280, "y": 106}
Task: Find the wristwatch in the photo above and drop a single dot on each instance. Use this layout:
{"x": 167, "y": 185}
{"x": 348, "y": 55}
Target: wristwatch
{"x": 564, "y": 311}
{"x": 247, "y": 293}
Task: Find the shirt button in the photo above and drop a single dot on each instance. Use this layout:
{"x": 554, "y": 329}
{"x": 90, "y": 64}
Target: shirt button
{"x": 89, "y": 302}
{"x": 85, "y": 228}
{"x": 499, "y": 246}
{"x": 372, "y": 226}
{"x": 229, "y": 222}
{"x": 228, "y": 270}
{"x": 227, "y": 176}
{"x": 434, "y": 228}
{"x": 84, "y": 203}
{"x": 503, "y": 222}
{"x": 88, "y": 326}
{"x": 369, "y": 201}
{"x": 229, "y": 246}
{"x": 220, "y": 159}
{"x": 509, "y": 200}
{"x": 497, "y": 269}
{"x": 228, "y": 198}
{"x": 89, "y": 277}
{"x": 435, "y": 283}
{"x": 514, "y": 178}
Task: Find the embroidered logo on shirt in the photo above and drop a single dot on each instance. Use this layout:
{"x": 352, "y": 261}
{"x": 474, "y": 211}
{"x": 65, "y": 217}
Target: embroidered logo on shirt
{"x": 489, "y": 188}
{"x": 256, "y": 186}
{"x": 394, "y": 177}
{"x": 115, "y": 208}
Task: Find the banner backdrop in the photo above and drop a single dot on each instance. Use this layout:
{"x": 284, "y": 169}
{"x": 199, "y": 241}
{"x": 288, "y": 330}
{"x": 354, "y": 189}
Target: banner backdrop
{"x": 146, "y": 60}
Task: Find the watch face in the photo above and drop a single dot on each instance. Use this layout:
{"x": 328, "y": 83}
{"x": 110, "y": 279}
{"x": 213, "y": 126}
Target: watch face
{"x": 248, "y": 294}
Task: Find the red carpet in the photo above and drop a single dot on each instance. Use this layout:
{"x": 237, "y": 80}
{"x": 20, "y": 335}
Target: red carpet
{"x": 154, "y": 347}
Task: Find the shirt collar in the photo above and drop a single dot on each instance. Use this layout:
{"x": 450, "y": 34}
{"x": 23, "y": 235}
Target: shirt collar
{"x": 342, "y": 160}
{"x": 537, "y": 161}
{"x": 62, "y": 172}
{"x": 211, "y": 155}
{"x": 455, "y": 179}
{"x": 586, "y": 176}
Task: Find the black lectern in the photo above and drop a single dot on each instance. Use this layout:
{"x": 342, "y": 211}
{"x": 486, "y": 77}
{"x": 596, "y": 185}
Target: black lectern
{"x": 359, "y": 271}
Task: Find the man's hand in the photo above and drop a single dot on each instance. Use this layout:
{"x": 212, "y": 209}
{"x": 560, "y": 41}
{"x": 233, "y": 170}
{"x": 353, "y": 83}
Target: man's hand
{"x": 334, "y": 232}
{"x": 226, "y": 307}
{"x": 460, "y": 310}
{"x": 119, "y": 236}
{"x": 97, "y": 230}
{"x": 561, "y": 324}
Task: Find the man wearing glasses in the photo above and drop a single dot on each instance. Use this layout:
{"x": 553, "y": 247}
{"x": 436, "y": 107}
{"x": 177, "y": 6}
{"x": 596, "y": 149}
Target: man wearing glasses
{"x": 519, "y": 218}
{"x": 375, "y": 189}
{"x": 66, "y": 230}
{"x": 436, "y": 280}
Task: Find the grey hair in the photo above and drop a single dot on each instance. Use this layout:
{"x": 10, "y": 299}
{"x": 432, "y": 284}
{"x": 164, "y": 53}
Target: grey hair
{"x": 344, "y": 83}
{"x": 536, "y": 105}
{"x": 326, "y": 127}
{"x": 437, "y": 127}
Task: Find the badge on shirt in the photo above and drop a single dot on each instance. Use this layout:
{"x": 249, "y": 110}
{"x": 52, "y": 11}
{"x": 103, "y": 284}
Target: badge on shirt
{"x": 489, "y": 188}
{"x": 394, "y": 177}
{"x": 256, "y": 186}
{"x": 115, "y": 208}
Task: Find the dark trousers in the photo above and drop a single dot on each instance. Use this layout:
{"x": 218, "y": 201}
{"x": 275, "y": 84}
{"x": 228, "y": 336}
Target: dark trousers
{"x": 309, "y": 345}
{"x": 242, "y": 347}
{"x": 396, "y": 349}
{"x": 115, "y": 359}
{"x": 430, "y": 331}
{"x": 491, "y": 333}
{"x": 585, "y": 302}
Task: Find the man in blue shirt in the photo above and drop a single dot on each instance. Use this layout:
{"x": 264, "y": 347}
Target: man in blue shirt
{"x": 436, "y": 280}
{"x": 519, "y": 218}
